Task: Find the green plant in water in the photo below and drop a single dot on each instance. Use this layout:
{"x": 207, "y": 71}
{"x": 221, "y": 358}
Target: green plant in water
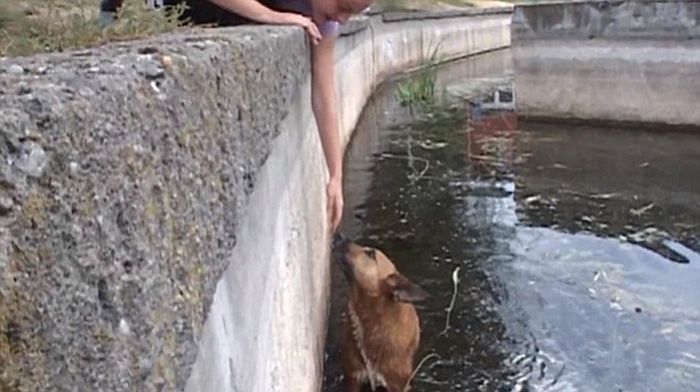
{"x": 420, "y": 89}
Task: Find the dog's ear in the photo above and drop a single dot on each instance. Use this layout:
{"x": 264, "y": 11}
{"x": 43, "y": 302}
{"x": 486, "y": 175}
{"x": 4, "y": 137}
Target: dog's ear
{"x": 402, "y": 289}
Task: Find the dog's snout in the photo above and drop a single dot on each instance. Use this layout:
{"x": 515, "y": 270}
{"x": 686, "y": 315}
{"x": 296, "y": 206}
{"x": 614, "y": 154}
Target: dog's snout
{"x": 338, "y": 240}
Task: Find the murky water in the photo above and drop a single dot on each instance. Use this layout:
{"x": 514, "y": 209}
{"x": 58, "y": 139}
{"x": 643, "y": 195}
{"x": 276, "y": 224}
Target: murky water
{"x": 577, "y": 247}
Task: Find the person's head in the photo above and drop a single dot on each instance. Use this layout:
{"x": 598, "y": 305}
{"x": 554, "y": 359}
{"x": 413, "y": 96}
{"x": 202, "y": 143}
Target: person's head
{"x": 341, "y": 10}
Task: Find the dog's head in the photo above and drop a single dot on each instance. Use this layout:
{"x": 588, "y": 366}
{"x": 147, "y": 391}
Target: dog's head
{"x": 373, "y": 273}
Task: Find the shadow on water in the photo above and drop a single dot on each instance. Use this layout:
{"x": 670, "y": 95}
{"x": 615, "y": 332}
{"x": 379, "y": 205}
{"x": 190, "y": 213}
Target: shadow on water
{"x": 577, "y": 247}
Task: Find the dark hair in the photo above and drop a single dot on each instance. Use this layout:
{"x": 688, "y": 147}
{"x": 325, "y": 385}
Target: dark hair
{"x": 110, "y": 5}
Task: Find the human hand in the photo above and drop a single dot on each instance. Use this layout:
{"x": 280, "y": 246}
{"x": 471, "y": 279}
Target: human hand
{"x": 334, "y": 194}
{"x": 304, "y": 22}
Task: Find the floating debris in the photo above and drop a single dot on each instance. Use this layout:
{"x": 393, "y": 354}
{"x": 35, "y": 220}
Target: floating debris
{"x": 648, "y": 235}
{"x": 533, "y": 199}
{"x": 643, "y": 210}
{"x": 420, "y": 364}
{"x": 455, "y": 283}
{"x": 430, "y": 145}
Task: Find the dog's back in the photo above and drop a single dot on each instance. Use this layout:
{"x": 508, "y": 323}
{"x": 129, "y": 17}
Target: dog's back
{"x": 388, "y": 333}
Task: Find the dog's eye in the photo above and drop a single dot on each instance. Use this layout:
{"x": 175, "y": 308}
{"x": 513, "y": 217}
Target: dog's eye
{"x": 370, "y": 252}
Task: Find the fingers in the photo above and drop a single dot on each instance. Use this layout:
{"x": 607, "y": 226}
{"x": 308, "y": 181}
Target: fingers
{"x": 330, "y": 211}
{"x": 337, "y": 214}
{"x": 334, "y": 209}
{"x": 313, "y": 31}
{"x": 307, "y": 24}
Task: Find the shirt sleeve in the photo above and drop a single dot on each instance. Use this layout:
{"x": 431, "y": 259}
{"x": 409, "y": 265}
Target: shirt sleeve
{"x": 330, "y": 28}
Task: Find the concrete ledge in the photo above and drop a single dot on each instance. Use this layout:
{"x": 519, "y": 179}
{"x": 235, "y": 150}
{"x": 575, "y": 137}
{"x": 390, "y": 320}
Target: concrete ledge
{"x": 627, "y": 19}
{"x": 355, "y": 25}
{"x": 609, "y": 62}
{"x": 399, "y": 16}
{"x": 162, "y": 210}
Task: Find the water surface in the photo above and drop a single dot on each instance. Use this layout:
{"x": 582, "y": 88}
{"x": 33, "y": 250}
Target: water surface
{"x": 577, "y": 247}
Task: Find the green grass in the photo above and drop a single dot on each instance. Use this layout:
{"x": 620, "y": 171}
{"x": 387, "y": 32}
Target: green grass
{"x": 420, "y": 89}
{"x": 34, "y": 26}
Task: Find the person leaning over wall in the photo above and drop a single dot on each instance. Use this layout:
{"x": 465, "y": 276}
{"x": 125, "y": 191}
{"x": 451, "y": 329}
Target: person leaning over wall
{"x": 320, "y": 19}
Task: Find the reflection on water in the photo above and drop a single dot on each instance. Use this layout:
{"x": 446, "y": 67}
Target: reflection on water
{"x": 577, "y": 247}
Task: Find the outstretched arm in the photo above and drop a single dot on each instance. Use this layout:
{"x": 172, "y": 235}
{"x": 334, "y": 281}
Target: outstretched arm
{"x": 323, "y": 102}
{"x": 254, "y": 10}
{"x": 250, "y": 9}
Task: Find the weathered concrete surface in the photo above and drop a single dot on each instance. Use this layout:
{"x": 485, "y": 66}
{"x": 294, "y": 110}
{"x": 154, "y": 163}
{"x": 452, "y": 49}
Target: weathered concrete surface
{"x": 618, "y": 61}
{"x": 123, "y": 183}
{"x": 162, "y": 216}
{"x": 632, "y": 19}
{"x": 397, "y": 16}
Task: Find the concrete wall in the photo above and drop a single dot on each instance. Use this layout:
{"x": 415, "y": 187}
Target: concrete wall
{"x": 162, "y": 218}
{"x": 609, "y": 61}
{"x": 125, "y": 175}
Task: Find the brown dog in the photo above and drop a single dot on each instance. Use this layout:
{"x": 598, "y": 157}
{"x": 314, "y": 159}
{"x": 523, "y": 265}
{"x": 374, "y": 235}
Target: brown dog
{"x": 380, "y": 328}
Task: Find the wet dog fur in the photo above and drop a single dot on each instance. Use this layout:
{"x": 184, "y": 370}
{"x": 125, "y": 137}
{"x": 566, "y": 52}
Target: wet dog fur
{"x": 380, "y": 326}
